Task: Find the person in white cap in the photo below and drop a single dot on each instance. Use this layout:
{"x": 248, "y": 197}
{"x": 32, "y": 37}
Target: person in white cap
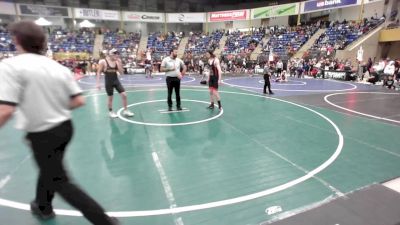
{"x": 110, "y": 66}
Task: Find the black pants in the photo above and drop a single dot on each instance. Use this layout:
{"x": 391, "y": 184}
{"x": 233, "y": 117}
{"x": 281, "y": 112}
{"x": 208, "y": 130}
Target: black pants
{"x": 174, "y": 83}
{"x": 48, "y": 150}
{"x": 267, "y": 83}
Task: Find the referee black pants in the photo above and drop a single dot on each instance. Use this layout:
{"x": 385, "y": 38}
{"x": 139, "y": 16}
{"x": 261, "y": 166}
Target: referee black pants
{"x": 174, "y": 83}
{"x": 48, "y": 150}
{"x": 267, "y": 83}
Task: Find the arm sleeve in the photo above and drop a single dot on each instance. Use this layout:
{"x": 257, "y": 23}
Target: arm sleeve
{"x": 73, "y": 88}
{"x": 163, "y": 63}
{"x": 10, "y": 86}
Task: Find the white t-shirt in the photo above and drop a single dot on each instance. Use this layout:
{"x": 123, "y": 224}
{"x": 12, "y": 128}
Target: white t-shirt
{"x": 201, "y": 63}
{"x": 170, "y": 63}
{"x": 148, "y": 55}
{"x": 389, "y": 69}
{"x": 41, "y": 89}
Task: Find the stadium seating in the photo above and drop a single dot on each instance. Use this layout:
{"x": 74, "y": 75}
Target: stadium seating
{"x": 65, "y": 41}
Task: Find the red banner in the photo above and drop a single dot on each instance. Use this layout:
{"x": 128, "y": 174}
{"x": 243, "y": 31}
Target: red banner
{"x": 229, "y": 15}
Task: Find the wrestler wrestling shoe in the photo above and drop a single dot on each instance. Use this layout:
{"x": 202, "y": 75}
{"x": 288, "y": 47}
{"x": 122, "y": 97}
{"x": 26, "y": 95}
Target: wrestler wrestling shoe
{"x": 127, "y": 113}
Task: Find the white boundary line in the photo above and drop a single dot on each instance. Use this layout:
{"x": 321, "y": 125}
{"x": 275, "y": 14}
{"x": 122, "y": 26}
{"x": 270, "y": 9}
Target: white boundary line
{"x": 6, "y": 179}
{"x": 167, "y": 187}
{"x": 166, "y": 110}
{"x": 259, "y": 88}
{"x": 168, "y": 124}
{"x": 225, "y": 202}
{"x": 175, "y": 111}
{"x": 360, "y": 113}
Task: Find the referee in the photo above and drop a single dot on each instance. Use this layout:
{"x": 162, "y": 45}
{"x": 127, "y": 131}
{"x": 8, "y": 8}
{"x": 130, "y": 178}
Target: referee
{"x": 45, "y": 93}
{"x": 267, "y": 77}
{"x": 174, "y": 69}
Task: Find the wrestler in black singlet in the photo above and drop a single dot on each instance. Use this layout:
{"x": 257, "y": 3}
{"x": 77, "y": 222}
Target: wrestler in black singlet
{"x": 214, "y": 76}
{"x": 111, "y": 80}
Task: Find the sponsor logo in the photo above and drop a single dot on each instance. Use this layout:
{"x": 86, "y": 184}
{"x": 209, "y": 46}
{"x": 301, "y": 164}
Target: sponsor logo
{"x": 146, "y": 17}
{"x": 335, "y": 75}
{"x": 89, "y": 13}
{"x": 135, "y": 16}
{"x": 228, "y": 15}
{"x": 273, "y": 210}
{"x": 181, "y": 17}
{"x": 328, "y": 3}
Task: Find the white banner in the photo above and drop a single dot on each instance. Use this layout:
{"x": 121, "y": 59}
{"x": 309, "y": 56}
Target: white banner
{"x": 7, "y": 8}
{"x": 186, "y": 17}
{"x": 143, "y": 17}
{"x": 96, "y": 14}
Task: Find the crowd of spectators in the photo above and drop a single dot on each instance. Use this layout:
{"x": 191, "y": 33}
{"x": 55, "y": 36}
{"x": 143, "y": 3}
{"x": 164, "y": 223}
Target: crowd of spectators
{"x": 62, "y": 40}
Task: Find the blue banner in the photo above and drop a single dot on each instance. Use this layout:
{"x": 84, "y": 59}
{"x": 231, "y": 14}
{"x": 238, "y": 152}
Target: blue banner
{"x": 327, "y": 4}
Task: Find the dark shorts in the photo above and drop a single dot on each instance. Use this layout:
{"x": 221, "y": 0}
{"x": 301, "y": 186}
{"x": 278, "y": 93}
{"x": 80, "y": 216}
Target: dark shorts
{"x": 390, "y": 83}
{"x": 213, "y": 82}
{"x": 279, "y": 70}
{"x": 111, "y": 84}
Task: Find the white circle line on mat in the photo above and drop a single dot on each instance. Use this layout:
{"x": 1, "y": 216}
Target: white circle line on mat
{"x": 226, "y": 202}
{"x": 357, "y": 112}
{"x": 168, "y": 124}
{"x": 304, "y": 90}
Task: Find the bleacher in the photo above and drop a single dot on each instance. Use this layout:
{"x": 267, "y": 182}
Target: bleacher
{"x": 162, "y": 44}
{"x": 285, "y": 41}
{"x": 339, "y": 35}
{"x": 6, "y": 42}
{"x": 238, "y": 42}
{"x": 65, "y": 41}
{"x": 121, "y": 41}
{"x": 199, "y": 42}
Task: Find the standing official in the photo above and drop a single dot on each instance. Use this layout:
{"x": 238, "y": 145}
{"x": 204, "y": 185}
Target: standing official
{"x": 174, "y": 69}
{"x": 267, "y": 78}
{"x": 45, "y": 92}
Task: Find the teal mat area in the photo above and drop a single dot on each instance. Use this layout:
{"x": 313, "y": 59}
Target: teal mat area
{"x": 256, "y": 144}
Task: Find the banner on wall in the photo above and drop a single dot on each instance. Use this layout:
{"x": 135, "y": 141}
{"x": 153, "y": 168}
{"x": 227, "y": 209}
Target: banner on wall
{"x": 143, "y": 17}
{"x": 71, "y": 55}
{"x": 332, "y": 74}
{"x": 186, "y": 18}
{"x": 317, "y": 5}
{"x": 275, "y": 11}
{"x": 42, "y": 10}
{"x": 96, "y": 14}
{"x": 229, "y": 15}
{"x": 7, "y": 8}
